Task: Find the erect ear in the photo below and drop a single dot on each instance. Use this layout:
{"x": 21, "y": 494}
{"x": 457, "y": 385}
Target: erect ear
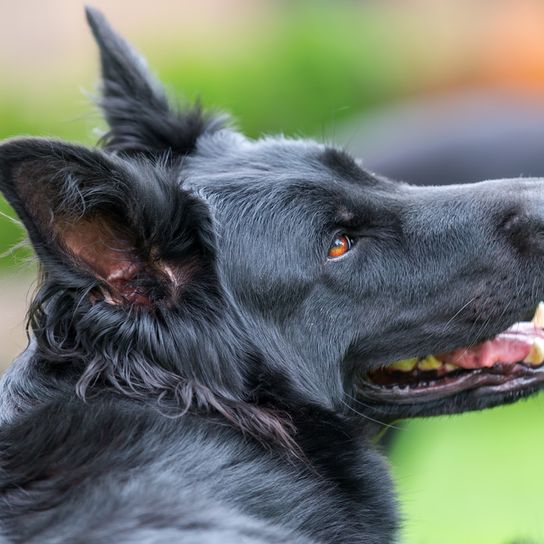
{"x": 101, "y": 224}
{"x": 136, "y": 108}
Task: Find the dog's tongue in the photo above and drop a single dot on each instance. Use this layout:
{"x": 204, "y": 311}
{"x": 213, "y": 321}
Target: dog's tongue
{"x": 523, "y": 341}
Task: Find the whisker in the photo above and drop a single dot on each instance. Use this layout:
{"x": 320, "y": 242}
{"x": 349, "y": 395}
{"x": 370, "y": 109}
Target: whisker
{"x": 365, "y": 416}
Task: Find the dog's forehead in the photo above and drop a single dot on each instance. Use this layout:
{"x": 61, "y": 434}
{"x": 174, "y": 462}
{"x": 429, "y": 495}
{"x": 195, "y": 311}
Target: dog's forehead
{"x": 227, "y": 157}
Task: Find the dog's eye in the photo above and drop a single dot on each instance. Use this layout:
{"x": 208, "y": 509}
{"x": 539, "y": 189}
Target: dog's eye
{"x": 340, "y": 245}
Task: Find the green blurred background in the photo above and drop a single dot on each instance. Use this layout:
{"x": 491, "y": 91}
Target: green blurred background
{"x": 306, "y": 68}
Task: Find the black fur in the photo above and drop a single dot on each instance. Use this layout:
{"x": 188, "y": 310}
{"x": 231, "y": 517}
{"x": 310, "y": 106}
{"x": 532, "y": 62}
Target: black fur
{"x": 195, "y": 358}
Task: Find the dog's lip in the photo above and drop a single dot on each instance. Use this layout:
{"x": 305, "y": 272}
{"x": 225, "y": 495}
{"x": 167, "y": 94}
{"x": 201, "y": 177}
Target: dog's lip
{"x": 512, "y": 361}
{"x": 491, "y": 380}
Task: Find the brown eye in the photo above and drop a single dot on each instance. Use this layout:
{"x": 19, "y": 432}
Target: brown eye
{"x": 340, "y": 246}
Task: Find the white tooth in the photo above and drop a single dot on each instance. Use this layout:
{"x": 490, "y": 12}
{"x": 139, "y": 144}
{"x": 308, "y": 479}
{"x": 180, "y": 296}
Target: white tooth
{"x": 536, "y": 355}
{"x": 538, "y": 318}
{"x": 450, "y": 367}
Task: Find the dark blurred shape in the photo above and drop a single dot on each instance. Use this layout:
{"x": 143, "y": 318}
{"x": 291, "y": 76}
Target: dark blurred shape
{"x": 458, "y": 138}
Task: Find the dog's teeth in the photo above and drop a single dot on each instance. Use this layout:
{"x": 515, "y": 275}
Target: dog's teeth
{"x": 449, "y": 367}
{"x": 538, "y": 318}
{"x": 404, "y": 365}
{"x": 429, "y": 363}
{"x": 536, "y": 355}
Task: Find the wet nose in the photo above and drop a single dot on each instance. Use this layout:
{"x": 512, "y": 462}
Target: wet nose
{"x": 524, "y": 223}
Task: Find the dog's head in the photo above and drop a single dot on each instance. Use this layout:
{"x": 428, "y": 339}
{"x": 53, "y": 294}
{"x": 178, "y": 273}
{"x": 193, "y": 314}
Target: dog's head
{"x": 184, "y": 260}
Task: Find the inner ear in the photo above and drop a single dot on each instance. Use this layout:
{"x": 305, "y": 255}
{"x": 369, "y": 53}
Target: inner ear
{"x": 128, "y": 272}
{"x": 112, "y": 257}
{"x": 91, "y": 242}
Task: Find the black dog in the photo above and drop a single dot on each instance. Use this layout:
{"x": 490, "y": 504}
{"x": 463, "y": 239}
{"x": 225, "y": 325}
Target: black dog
{"x": 216, "y": 321}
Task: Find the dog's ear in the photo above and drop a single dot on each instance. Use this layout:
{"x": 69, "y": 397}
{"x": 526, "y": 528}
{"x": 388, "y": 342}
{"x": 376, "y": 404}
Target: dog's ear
{"x": 98, "y": 224}
{"x": 139, "y": 114}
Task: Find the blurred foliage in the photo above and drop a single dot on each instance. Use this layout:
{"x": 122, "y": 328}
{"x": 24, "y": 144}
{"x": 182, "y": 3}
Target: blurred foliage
{"x": 475, "y": 478}
{"x": 315, "y": 68}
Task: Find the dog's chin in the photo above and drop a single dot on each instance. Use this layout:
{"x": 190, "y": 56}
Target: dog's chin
{"x": 498, "y": 371}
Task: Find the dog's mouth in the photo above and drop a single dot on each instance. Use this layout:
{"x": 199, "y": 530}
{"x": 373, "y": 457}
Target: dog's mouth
{"x": 509, "y": 363}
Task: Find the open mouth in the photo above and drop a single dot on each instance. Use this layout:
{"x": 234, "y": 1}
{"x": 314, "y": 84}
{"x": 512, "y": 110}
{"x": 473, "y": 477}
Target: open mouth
{"x": 512, "y": 361}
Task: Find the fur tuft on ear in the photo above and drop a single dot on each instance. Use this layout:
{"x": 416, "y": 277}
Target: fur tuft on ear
{"x": 136, "y": 108}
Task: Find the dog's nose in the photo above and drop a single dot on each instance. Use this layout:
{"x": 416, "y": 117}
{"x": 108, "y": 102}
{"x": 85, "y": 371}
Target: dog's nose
{"x": 524, "y": 226}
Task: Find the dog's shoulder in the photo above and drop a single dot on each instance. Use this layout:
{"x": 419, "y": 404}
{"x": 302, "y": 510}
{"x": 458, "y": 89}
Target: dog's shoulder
{"x": 107, "y": 454}
{"x": 146, "y": 477}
